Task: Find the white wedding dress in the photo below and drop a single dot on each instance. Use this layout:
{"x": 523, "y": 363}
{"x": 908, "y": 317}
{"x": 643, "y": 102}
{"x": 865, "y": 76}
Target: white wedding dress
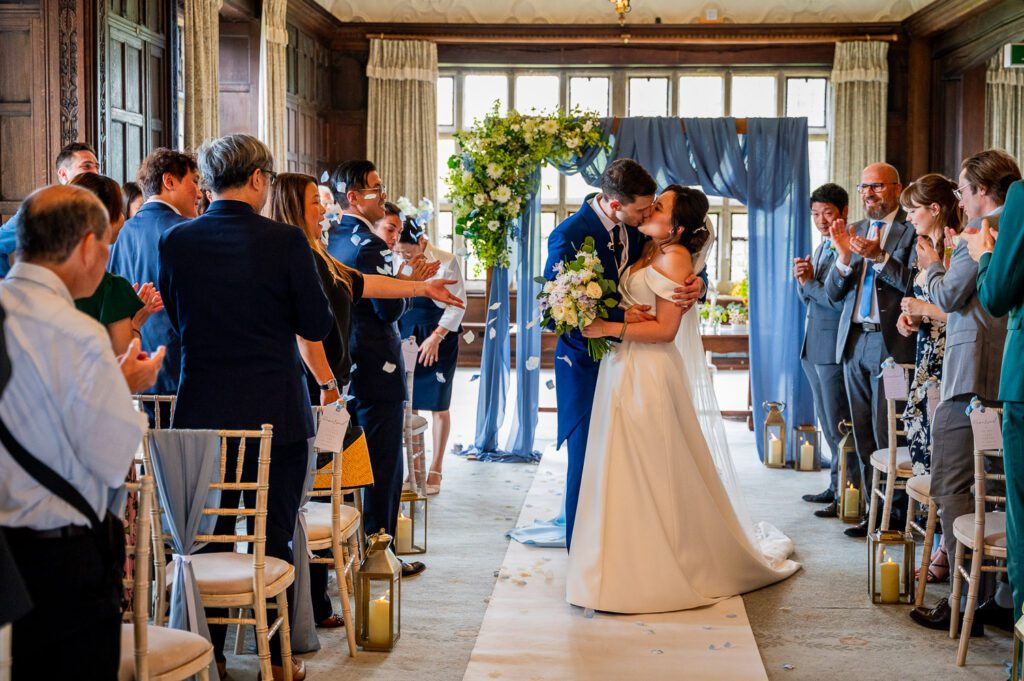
{"x": 660, "y": 524}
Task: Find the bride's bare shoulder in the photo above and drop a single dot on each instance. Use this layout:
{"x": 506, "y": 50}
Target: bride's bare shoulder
{"x": 674, "y": 261}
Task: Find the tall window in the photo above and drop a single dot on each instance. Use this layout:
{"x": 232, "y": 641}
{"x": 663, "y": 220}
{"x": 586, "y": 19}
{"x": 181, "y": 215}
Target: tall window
{"x": 467, "y": 93}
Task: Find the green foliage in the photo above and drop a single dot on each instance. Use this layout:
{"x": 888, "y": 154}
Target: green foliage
{"x": 489, "y": 178}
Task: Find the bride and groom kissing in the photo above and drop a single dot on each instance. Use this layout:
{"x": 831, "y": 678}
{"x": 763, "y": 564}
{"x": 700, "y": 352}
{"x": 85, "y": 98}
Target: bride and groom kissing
{"x": 655, "y": 521}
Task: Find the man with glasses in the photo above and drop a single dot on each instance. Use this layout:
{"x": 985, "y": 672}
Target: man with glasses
{"x": 378, "y": 374}
{"x": 238, "y": 289}
{"x": 871, "y": 275}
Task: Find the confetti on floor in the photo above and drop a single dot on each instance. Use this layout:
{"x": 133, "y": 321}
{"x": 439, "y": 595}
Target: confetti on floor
{"x": 389, "y": 368}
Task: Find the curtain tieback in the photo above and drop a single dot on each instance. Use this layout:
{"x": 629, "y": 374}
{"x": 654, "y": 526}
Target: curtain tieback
{"x": 191, "y": 609}
{"x": 304, "y": 529}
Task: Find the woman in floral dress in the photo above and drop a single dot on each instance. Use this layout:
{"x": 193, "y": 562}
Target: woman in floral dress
{"x": 933, "y": 209}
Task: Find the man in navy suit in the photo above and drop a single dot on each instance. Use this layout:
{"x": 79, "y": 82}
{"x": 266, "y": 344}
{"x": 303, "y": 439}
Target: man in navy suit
{"x": 871, "y": 275}
{"x": 170, "y": 184}
{"x": 610, "y": 217}
{"x": 238, "y": 288}
{"x": 378, "y": 372}
{"x": 829, "y": 203}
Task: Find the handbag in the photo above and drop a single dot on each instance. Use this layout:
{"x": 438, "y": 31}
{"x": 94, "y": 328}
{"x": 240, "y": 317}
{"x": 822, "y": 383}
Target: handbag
{"x": 355, "y": 457}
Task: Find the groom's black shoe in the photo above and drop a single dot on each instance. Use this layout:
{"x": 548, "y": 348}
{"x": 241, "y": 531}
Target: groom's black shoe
{"x": 830, "y": 511}
{"x": 826, "y": 497}
{"x": 858, "y": 530}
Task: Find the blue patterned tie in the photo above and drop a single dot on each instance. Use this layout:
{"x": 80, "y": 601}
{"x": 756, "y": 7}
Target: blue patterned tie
{"x": 867, "y": 290}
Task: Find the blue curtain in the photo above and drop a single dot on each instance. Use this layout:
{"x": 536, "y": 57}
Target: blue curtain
{"x": 494, "y": 366}
{"x": 520, "y": 442}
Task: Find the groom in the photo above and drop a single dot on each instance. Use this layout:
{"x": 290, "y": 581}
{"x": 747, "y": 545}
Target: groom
{"x": 610, "y": 217}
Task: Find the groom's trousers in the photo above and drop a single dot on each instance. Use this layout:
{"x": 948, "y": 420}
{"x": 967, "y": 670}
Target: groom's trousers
{"x": 576, "y": 443}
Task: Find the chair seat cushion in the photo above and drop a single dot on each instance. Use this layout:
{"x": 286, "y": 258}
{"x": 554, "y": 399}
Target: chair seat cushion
{"x": 169, "y": 649}
{"x": 318, "y": 521}
{"x": 418, "y": 424}
{"x": 904, "y": 466}
{"x": 919, "y": 487}
{"x": 995, "y": 530}
{"x": 226, "y": 574}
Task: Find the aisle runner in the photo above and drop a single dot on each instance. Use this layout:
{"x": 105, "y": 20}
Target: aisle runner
{"x": 530, "y": 633}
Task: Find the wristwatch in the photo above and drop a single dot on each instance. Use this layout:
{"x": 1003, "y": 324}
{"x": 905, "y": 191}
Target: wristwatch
{"x": 329, "y": 385}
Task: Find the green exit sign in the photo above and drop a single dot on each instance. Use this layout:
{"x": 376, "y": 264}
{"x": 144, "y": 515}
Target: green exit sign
{"x": 1013, "y": 55}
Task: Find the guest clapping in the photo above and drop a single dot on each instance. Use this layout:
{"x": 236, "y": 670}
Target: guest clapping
{"x": 436, "y": 327}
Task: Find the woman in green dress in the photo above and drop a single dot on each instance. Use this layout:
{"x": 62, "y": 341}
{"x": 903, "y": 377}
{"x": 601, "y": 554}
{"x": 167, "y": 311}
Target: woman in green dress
{"x": 116, "y": 304}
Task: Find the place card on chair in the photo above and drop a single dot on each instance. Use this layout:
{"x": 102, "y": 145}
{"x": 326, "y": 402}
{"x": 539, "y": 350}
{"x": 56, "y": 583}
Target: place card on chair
{"x": 894, "y": 381}
{"x": 330, "y": 433}
{"x": 985, "y": 426}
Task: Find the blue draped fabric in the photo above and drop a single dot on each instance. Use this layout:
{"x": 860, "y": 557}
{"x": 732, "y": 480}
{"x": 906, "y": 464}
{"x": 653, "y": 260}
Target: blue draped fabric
{"x": 494, "y": 369}
{"x": 520, "y": 442}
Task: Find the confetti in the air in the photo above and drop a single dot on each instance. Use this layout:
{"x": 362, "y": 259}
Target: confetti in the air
{"x": 324, "y": 176}
{"x": 565, "y": 359}
{"x": 389, "y": 368}
{"x": 469, "y": 337}
{"x": 550, "y": 384}
{"x": 407, "y": 270}
{"x": 530, "y": 324}
{"x": 495, "y": 306}
{"x": 382, "y": 271}
{"x": 462, "y": 252}
{"x": 341, "y": 187}
{"x": 364, "y": 241}
{"x": 386, "y": 252}
{"x": 492, "y": 333}
{"x": 532, "y": 363}
{"x": 325, "y": 223}
{"x": 353, "y": 367}
{"x": 440, "y": 377}
{"x": 355, "y": 240}
{"x": 474, "y": 377}
{"x": 588, "y": 613}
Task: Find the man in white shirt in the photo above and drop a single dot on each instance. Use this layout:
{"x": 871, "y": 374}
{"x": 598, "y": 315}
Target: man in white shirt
{"x": 68, "y": 406}
{"x": 871, "y": 275}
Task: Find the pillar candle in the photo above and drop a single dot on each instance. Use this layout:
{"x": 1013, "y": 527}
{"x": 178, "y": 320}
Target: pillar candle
{"x": 807, "y": 457}
{"x": 403, "y": 538}
{"x": 380, "y": 621}
{"x": 890, "y": 582}
{"x": 851, "y": 502}
{"x": 775, "y": 451}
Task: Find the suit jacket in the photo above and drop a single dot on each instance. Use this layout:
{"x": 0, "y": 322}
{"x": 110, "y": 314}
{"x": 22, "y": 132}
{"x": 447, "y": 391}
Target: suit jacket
{"x": 892, "y": 283}
{"x": 576, "y": 383}
{"x": 1001, "y": 290}
{"x": 374, "y": 340}
{"x": 823, "y": 314}
{"x": 974, "y": 338}
{"x": 136, "y": 257}
{"x": 238, "y": 288}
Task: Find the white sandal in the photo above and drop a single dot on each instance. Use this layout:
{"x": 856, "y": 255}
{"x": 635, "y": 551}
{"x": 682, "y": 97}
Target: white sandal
{"x": 434, "y": 489}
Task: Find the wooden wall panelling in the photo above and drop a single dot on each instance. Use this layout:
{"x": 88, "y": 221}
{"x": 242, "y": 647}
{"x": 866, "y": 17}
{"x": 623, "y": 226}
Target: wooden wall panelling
{"x": 239, "y": 76}
{"x": 308, "y": 106}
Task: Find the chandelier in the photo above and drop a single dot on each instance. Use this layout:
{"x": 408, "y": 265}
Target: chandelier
{"x": 622, "y": 9}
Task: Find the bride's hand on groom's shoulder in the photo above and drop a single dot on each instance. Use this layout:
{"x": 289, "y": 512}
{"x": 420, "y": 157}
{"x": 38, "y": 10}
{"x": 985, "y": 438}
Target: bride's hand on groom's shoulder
{"x": 639, "y": 313}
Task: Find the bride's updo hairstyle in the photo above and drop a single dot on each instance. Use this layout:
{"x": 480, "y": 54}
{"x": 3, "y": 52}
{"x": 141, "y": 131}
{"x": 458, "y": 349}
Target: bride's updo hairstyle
{"x": 689, "y": 210}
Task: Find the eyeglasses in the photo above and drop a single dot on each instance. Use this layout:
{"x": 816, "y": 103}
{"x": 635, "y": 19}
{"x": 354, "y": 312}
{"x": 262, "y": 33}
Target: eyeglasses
{"x": 873, "y": 187}
{"x": 382, "y": 190}
{"x": 271, "y": 175}
{"x": 959, "y": 191}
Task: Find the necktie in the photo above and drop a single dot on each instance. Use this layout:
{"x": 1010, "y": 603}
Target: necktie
{"x": 822, "y": 255}
{"x": 867, "y": 290}
{"x": 617, "y": 246}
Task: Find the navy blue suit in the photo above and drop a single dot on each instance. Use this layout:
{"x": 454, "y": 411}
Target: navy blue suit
{"x": 378, "y": 395}
{"x": 136, "y": 257}
{"x": 238, "y": 288}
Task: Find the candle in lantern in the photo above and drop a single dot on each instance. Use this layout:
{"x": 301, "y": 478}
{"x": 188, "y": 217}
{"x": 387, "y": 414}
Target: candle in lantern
{"x": 851, "y": 501}
{"x": 775, "y": 451}
{"x": 890, "y": 581}
{"x": 403, "y": 537}
{"x": 380, "y": 621}
{"x": 806, "y": 456}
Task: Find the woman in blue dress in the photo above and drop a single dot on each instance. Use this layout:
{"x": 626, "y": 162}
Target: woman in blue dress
{"x": 436, "y": 328}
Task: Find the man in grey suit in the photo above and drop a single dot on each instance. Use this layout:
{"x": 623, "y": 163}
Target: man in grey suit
{"x": 871, "y": 274}
{"x": 971, "y": 366}
{"x": 829, "y": 203}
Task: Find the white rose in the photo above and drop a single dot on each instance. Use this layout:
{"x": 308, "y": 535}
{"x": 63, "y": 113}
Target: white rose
{"x": 493, "y": 171}
{"x": 480, "y": 199}
{"x": 594, "y": 290}
{"x": 570, "y": 316}
{"x": 549, "y": 287}
{"x": 502, "y": 194}
{"x": 493, "y": 225}
{"x": 550, "y": 126}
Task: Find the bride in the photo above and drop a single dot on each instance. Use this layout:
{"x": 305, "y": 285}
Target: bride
{"x": 660, "y": 523}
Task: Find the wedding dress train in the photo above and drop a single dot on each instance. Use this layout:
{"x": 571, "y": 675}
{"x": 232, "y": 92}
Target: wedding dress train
{"x": 660, "y": 524}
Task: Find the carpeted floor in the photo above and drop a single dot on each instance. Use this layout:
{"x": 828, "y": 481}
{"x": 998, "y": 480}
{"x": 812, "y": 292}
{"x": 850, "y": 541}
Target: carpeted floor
{"x": 817, "y": 625}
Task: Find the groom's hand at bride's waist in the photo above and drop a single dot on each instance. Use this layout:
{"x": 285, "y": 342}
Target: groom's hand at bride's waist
{"x": 689, "y": 293}
{"x": 639, "y": 313}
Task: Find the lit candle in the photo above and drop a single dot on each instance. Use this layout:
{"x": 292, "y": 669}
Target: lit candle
{"x": 380, "y": 621}
{"x": 775, "y": 451}
{"x": 851, "y": 501}
{"x": 890, "y": 581}
{"x": 807, "y": 457}
{"x": 403, "y": 538}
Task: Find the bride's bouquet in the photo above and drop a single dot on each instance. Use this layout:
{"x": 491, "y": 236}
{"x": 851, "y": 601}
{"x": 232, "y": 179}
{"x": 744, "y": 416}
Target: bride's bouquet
{"x": 577, "y": 296}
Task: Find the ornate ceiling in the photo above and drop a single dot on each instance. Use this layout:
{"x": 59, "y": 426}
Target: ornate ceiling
{"x": 602, "y": 12}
